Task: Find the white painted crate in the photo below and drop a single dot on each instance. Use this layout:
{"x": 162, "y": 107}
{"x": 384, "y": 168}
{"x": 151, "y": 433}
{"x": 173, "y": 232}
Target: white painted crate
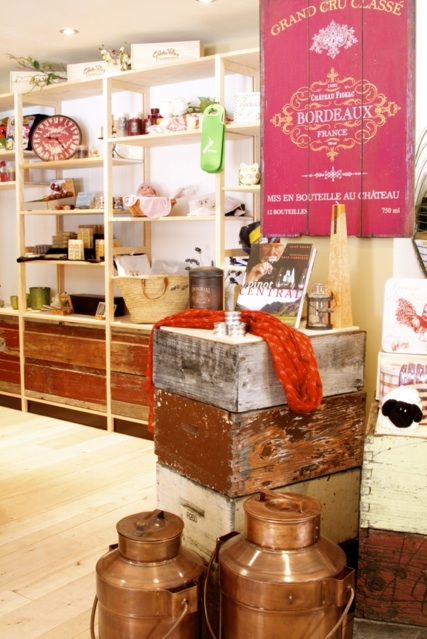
{"x": 394, "y": 481}
{"x": 208, "y": 514}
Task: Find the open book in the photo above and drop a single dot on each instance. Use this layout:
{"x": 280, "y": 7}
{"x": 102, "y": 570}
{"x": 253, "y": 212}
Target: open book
{"x": 276, "y": 280}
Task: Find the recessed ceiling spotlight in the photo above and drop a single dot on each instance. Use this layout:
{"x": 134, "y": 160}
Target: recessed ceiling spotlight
{"x": 68, "y": 31}
{"x": 205, "y": 1}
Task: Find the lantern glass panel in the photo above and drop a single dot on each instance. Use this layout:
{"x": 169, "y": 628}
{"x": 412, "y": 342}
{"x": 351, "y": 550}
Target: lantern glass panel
{"x": 319, "y": 308}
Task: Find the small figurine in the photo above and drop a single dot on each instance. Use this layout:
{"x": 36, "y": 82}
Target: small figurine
{"x": 401, "y": 410}
{"x": 145, "y": 190}
{"x": 146, "y": 202}
{"x": 249, "y": 174}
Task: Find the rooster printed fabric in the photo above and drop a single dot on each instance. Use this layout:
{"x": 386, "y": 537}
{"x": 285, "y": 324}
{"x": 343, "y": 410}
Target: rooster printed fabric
{"x": 405, "y": 316}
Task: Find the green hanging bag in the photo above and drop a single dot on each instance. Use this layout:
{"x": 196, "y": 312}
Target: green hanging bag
{"x": 213, "y": 139}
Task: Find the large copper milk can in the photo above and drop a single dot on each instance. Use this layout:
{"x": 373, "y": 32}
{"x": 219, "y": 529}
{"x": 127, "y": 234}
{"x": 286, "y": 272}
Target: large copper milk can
{"x": 149, "y": 586}
{"x": 281, "y": 579}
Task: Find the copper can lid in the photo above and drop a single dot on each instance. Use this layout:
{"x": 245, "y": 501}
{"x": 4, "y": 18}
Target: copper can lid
{"x": 282, "y": 520}
{"x": 150, "y": 536}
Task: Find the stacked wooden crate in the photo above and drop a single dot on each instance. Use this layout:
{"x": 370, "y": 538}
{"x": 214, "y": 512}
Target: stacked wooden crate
{"x": 66, "y": 364}
{"x": 10, "y": 378}
{"x": 223, "y": 431}
{"x": 392, "y": 573}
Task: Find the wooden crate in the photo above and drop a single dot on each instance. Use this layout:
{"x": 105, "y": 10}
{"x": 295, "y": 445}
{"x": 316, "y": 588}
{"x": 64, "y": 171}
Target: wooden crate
{"x": 66, "y": 364}
{"x": 240, "y": 376}
{"x": 10, "y": 378}
{"x": 208, "y": 515}
{"x": 391, "y": 584}
{"x": 393, "y": 489}
{"x": 241, "y": 453}
{"x": 128, "y": 367}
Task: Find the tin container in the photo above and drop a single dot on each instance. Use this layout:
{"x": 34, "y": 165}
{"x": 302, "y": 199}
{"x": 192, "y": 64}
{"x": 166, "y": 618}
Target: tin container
{"x": 39, "y": 296}
{"x": 207, "y": 288}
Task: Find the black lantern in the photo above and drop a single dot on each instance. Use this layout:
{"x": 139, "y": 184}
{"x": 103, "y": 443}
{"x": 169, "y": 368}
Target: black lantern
{"x": 319, "y": 308}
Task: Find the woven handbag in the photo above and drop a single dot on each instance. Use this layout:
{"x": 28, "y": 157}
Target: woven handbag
{"x": 150, "y": 298}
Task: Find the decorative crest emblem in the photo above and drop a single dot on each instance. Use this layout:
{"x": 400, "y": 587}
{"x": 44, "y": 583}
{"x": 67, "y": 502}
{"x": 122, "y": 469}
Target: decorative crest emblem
{"x": 333, "y": 38}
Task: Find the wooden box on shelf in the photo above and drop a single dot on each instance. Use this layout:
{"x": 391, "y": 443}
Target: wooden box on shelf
{"x": 145, "y": 55}
{"x": 66, "y": 306}
{"x": 48, "y": 205}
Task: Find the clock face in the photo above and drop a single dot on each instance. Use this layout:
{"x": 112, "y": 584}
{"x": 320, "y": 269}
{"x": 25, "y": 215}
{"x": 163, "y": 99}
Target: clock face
{"x": 56, "y": 138}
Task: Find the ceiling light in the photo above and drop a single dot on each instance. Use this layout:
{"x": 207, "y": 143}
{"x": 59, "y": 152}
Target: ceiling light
{"x": 205, "y": 1}
{"x": 68, "y": 31}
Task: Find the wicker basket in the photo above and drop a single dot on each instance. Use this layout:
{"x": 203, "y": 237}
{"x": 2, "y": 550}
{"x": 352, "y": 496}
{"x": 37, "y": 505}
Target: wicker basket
{"x": 150, "y": 298}
{"x": 154, "y": 206}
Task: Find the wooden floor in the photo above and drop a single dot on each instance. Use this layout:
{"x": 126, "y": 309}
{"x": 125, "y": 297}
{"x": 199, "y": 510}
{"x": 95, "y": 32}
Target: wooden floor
{"x": 63, "y": 488}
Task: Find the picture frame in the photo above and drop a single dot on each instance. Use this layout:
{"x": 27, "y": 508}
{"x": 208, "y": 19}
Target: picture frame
{"x": 101, "y": 311}
{"x": 66, "y": 303}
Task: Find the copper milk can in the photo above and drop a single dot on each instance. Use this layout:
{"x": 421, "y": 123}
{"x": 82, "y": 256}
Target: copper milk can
{"x": 281, "y": 579}
{"x": 149, "y": 585}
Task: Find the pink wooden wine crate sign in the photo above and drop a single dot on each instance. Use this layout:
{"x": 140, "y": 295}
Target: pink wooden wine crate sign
{"x": 338, "y": 115}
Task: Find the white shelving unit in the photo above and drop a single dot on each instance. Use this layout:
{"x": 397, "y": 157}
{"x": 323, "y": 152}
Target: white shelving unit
{"x": 101, "y": 95}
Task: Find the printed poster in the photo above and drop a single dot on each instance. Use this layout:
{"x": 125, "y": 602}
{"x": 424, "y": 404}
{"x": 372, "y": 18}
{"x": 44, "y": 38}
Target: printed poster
{"x": 338, "y": 116}
{"x": 405, "y": 316}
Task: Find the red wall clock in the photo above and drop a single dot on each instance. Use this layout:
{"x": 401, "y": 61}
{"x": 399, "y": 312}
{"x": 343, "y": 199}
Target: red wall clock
{"x": 56, "y": 138}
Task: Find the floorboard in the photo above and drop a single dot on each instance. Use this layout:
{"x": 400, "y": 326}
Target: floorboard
{"x": 63, "y": 488}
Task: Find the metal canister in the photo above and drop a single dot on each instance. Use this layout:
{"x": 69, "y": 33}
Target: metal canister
{"x": 207, "y": 287}
{"x": 281, "y": 578}
{"x": 149, "y": 586}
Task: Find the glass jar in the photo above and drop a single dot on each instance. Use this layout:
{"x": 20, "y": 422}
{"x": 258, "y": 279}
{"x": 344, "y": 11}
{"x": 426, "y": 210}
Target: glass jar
{"x": 135, "y": 124}
{"x": 82, "y": 151}
{"x": 12, "y": 173}
{"x": 123, "y": 125}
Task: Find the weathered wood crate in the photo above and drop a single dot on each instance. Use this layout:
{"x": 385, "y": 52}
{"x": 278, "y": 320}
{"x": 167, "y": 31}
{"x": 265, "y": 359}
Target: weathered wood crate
{"x": 10, "y": 378}
{"x": 66, "y": 364}
{"x": 394, "y": 487}
{"x": 208, "y": 514}
{"x": 129, "y": 351}
{"x": 240, "y": 376}
{"x": 241, "y": 453}
{"x": 391, "y": 584}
